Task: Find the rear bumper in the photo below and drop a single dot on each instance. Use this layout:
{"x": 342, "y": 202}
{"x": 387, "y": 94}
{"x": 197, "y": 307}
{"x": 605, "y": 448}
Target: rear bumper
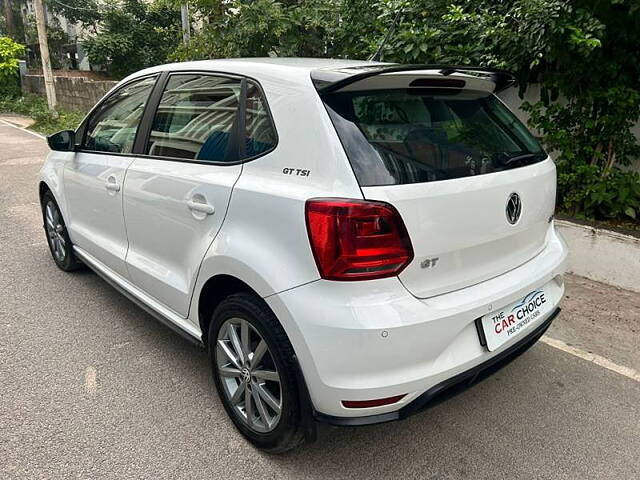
{"x": 367, "y": 340}
{"x": 440, "y": 390}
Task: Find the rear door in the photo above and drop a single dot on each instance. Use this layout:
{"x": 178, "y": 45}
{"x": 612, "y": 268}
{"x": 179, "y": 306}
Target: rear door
{"x": 474, "y": 188}
{"x": 176, "y": 195}
{"x": 94, "y": 179}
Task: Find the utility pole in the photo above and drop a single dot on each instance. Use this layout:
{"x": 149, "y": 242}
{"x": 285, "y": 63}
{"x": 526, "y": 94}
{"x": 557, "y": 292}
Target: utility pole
{"x": 186, "y": 26}
{"x": 8, "y": 19}
{"x": 49, "y": 85}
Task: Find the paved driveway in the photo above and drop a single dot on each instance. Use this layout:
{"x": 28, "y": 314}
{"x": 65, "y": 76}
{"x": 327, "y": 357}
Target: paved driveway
{"x": 92, "y": 387}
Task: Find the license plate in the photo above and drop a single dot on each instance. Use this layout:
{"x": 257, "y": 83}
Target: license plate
{"x": 501, "y": 326}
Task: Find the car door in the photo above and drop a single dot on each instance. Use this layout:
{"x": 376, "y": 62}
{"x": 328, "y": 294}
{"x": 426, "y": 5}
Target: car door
{"x": 176, "y": 197}
{"x": 94, "y": 179}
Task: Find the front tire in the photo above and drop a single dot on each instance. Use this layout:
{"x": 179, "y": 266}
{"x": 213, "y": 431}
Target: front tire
{"x": 254, "y": 372}
{"x": 57, "y": 236}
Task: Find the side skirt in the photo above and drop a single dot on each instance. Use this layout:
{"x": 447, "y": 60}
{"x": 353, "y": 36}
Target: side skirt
{"x": 176, "y": 323}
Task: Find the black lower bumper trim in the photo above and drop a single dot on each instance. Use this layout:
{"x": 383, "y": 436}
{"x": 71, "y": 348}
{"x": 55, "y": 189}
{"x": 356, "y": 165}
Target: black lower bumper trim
{"x": 449, "y": 387}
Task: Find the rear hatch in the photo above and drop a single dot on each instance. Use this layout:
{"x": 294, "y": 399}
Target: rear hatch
{"x": 473, "y": 186}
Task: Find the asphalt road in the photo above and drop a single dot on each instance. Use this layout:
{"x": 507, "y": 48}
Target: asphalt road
{"x": 93, "y": 387}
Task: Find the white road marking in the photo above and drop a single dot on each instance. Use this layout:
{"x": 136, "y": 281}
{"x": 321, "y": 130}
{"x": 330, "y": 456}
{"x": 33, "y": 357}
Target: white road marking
{"x": 593, "y": 358}
{"x": 90, "y": 383}
{"x": 9, "y": 124}
{"x": 22, "y": 161}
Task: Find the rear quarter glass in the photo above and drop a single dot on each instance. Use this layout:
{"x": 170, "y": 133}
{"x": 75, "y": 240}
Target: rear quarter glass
{"x": 404, "y": 136}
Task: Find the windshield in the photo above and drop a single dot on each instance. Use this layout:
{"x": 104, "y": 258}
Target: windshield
{"x": 423, "y": 135}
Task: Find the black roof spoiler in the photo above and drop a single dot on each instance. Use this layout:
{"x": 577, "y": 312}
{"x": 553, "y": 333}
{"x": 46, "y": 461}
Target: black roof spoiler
{"x": 328, "y": 81}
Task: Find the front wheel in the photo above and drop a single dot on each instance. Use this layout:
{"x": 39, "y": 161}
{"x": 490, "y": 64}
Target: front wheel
{"x": 254, "y": 372}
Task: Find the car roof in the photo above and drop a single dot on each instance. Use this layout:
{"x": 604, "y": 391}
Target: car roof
{"x": 291, "y": 62}
{"x": 259, "y": 67}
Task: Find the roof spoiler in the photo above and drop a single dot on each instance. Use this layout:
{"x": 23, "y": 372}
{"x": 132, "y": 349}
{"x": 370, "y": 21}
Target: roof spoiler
{"x": 328, "y": 81}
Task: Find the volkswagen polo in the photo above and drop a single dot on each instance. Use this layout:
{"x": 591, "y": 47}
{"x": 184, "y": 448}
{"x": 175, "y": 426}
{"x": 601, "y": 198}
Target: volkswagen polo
{"x": 347, "y": 239}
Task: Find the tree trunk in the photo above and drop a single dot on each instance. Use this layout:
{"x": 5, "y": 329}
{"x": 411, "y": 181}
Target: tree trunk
{"x": 611, "y": 159}
{"x": 8, "y": 19}
{"x": 594, "y": 158}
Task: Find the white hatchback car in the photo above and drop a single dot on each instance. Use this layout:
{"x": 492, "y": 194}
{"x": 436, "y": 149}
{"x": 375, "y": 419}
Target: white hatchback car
{"x": 348, "y": 239}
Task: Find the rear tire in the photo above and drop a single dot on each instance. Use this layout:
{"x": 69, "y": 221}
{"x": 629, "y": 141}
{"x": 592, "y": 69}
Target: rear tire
{"x": 58, "y": 239}
{"x": 265, "y": 410}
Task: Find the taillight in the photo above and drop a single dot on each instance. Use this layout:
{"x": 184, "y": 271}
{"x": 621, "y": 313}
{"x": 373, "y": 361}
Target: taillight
{"x": 357, "y": 239}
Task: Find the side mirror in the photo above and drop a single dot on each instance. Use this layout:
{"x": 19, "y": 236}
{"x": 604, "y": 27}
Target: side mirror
{"x": 64, "y": 141}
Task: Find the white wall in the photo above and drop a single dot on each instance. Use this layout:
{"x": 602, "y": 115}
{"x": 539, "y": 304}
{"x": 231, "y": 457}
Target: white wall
{"x": 602, "y": 255}
{"x": 511, "y": 98}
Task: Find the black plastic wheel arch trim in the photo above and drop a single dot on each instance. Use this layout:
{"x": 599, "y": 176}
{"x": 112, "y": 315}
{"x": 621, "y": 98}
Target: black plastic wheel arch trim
{"x": 307, "y": 413}
{"x": 467, "y": 377}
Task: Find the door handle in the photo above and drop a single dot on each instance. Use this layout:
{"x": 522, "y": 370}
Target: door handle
{"x": 200, "y": 207}
{"x": 112, "y": 184}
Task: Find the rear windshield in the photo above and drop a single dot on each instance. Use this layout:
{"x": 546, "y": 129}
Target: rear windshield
{"x": 409, "y": 136}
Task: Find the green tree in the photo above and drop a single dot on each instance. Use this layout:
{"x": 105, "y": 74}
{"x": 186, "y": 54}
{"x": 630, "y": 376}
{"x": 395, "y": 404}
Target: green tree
{"x": 18, "y": 27}
{"x": 10, "y": 53}
{"x": 134, "y": 34}
{"x": 57, "y": 39}
{"x": 88, "y": 13}
{"x": 248, "y": 28}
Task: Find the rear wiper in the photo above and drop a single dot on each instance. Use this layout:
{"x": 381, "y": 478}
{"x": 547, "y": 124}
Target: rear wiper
{"x": 408, "y": 158}
{"x": 517, "y": 158}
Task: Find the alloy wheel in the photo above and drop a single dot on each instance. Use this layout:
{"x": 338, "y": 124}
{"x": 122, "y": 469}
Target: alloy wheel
{"x": 248, "y": 375}
{"x": 55, "y": 231}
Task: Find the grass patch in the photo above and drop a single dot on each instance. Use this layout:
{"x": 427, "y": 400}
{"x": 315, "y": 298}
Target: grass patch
{"x": 47, "y": 125}
{"x": 36, "y": 107}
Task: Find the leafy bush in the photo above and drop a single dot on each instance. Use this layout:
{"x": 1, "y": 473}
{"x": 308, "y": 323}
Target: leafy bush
{"x": 10, "y": 53}
{"x": 594, "y": 143}
{"x": 47, "y": 124}
{"x": 26, "y": 105}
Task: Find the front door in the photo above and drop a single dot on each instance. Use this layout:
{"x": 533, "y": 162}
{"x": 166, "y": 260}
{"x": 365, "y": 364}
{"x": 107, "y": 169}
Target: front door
{"x": 94, "y": 179}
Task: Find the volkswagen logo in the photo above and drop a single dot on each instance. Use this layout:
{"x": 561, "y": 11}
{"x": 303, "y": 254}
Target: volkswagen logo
{"x": 514, "y": 208}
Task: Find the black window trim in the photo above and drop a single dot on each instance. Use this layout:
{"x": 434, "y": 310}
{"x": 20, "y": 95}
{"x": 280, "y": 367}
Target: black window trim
{"x": 81, "y": 131}
{"x": 154, "y": 102}
{"x": 144, "y": 128}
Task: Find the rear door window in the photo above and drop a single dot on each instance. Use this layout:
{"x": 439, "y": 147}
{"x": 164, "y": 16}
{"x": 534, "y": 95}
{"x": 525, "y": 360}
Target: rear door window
{"x": 402, "y": 136}
{"x": 196, "y": 118}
